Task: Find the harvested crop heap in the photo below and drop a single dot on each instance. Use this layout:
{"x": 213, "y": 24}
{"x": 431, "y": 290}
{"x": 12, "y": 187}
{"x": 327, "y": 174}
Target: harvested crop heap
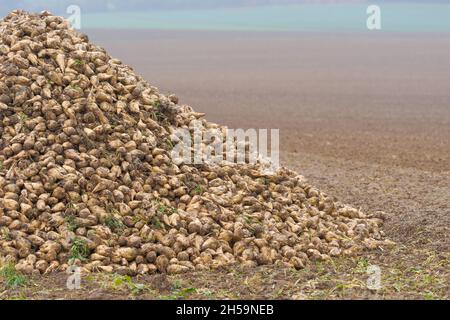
{"x": 86, "y": 175}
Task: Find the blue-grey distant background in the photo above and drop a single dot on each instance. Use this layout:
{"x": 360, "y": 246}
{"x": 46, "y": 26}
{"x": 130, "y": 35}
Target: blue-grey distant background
{"x": 252, "y": 15}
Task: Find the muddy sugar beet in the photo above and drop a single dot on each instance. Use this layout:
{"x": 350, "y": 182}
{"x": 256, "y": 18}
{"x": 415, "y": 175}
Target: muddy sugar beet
{"x": 87, "y": 178}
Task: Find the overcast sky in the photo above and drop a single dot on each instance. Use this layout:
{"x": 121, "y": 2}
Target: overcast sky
{"x": 59, "y": 6}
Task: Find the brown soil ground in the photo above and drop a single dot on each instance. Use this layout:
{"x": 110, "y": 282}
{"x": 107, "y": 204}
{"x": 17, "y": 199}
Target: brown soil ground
{"x": 364, "y": 117}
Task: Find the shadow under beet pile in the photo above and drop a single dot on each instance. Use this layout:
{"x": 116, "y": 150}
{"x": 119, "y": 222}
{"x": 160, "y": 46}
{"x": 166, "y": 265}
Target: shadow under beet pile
{"x": 87, "y": 178}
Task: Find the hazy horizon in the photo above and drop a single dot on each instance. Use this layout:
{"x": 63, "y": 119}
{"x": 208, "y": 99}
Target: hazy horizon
{"x": 59, "y": 6}
{"x": 247, "y": 15}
